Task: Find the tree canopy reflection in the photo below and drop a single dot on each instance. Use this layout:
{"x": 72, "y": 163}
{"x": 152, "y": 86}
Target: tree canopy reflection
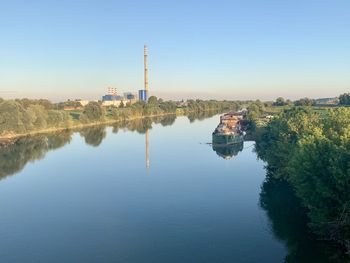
{"x": 16, "y": 154}
{"x": 94, "y": 136}
{"x": 289, "y": 224}
{"x": 193, "y": 116}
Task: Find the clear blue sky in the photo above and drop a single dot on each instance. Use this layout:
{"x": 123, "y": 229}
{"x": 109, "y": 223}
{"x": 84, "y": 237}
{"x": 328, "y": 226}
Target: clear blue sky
{"x": 208, "y": 49}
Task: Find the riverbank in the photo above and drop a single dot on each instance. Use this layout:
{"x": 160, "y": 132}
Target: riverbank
{"x": 14, "y": 136}
{"x": 19, "y": 118}
{"x": 309, "y": 150}
{"x": 9, "y": 137}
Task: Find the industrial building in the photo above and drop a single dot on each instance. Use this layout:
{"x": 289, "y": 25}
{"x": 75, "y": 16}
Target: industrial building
{"x": 143, "y": 93}
{"x": 130, "y": 96}
{"x": 113, "y": 99}
{"x": 111, "y": 95}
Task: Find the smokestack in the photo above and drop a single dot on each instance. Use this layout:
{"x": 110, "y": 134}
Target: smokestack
{"x": 146, "y": 68}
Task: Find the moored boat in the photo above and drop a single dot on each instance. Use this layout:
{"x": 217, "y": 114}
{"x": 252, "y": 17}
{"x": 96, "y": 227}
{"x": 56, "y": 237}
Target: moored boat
{"x": 229, "y": 131}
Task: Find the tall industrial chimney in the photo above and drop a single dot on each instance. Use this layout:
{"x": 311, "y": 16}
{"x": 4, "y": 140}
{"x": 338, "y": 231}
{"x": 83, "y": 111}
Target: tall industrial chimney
{"x": 146, "y": 68}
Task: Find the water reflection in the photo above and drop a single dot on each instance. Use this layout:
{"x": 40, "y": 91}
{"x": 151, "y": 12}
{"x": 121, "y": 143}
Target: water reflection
{"x": 286, "y": 215}
{"x": 228, "y": 151}
{"x": 94, "y": 136}
{"x": 15, "y": 155}
{"x": 289, "y": 224}
{"x": 147, "y": 150}
{"x": 193, "y": 116}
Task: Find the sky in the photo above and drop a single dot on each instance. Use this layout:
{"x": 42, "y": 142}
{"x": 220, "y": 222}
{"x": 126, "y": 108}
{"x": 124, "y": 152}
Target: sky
{"x": 248, "y": 49}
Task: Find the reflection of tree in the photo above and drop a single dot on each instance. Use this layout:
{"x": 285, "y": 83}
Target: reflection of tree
{"x": 228, "y": 151}
{"x": 289, "y": 224}
{"x": 138, "y": 125}
{"x": 143, "y": 124}
{"x": 94, "y": 135}
{"x": 13, "y": 157}
{"x": 192, "y": 116}
{"x": 166, "y": 120}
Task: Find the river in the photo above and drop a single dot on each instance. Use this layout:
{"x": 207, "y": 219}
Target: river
{"x": 143, "y": 192}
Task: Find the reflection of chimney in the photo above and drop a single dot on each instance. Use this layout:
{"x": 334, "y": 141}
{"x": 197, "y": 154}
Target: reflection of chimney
{"x": 147, "y": 150}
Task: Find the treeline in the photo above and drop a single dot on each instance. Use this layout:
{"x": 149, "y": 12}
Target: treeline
{"x": 342, "y": 100}
{"x": 19, "y": 117}
{"x": 95, "y": 112}
{"x": 311, "y": 151}
{"x": 25, "y": 116}
{"x": 156, "y": 106}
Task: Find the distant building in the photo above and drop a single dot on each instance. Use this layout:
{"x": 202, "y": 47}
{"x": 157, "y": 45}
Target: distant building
{"x": 143, "y": 95}
{"x": 129, "y": 96}
{"x": 109, "y": 97}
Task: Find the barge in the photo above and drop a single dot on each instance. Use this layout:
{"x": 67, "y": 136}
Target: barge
{"x": 229, "y": 131}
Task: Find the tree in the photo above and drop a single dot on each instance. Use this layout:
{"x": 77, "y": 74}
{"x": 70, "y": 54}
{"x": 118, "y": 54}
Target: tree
{"x": 344, "y": 99}
{"x": 279, "y": 102}
{"x": 38, "y": 115}
{"x": 13, "y": 118}
{"x": 153, "y": 100}
{"x": 304, "y": 102}
{"x": 93, "y": 111}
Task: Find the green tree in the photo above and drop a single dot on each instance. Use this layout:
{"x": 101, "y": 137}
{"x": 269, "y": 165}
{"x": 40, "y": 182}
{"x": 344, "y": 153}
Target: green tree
{"x": 304, "y": 102}
{"x": 93, "y": 112}
{"x": 279, "y": 102}
{"x": 344, "y": 99}
{"x": 153, "y": 100}
{"x": 38, "y": 115}
{"x": 14, "y": 118}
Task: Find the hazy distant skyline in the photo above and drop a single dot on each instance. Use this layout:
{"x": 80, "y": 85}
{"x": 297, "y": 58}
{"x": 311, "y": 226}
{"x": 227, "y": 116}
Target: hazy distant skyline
{"x": 197, "y": 49}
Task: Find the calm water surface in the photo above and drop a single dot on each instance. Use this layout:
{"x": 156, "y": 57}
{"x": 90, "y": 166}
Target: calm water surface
{"x": 88, "y": 196}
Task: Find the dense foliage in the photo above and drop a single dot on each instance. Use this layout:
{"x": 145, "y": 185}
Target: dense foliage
{"x": 344, "y": 99}
{"x": 17, "y": 118}
{"x": 304, "y": 102}
{"x": 311, "y": 151}
{"x": 282, "y": 102}
{"x": 25, "y": 116}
